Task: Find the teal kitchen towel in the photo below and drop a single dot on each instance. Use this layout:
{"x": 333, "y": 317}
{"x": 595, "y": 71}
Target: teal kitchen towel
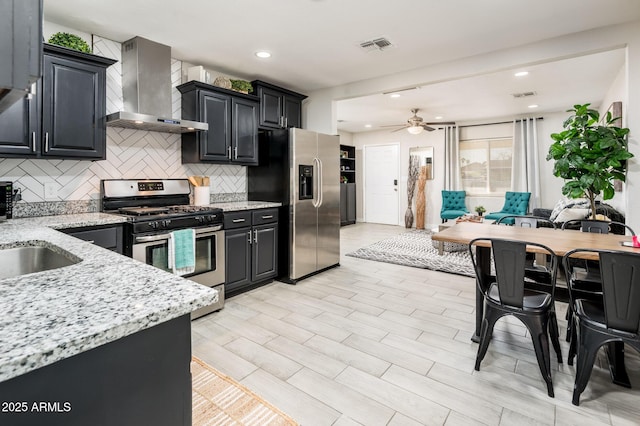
{"x": 183, "y": 258}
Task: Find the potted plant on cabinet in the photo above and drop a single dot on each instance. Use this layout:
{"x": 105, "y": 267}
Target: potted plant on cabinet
{"x": 590, "y": 156}
{"x": 480, "y": 210}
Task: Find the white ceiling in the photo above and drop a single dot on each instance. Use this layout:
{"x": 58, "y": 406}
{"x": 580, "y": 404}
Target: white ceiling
{"x": 315, "y": 45}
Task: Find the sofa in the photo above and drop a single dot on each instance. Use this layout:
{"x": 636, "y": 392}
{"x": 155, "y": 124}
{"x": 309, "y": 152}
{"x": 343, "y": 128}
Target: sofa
{"x": 569, "y": 209}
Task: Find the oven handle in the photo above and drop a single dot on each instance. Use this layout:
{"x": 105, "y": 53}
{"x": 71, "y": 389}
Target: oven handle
{"x": 201, "y": 232}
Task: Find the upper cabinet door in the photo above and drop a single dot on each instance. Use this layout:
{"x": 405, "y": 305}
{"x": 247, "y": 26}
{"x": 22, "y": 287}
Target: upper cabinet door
{"x": 19, "y": 130}
{"x": 292, "y": 112}
{"x": 215, "y": 143}
{"x": 245, "y": 131}
{"x": 271, "y": 106}
{"x": 73, "y": 109}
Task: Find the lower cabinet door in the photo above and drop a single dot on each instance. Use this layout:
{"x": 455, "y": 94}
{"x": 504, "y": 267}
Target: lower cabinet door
{"x": 238, "y": 258}
{"x": 265, "y": 252}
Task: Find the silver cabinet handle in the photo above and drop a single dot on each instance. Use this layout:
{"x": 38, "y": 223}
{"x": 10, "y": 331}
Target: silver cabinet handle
{"x": 286, "y": 122}
{"x": 238, "y": 220}
{"x": 249, "y": 238}
{"x": 46, "y": 142}
{"x": 33, "y": 141}
{"x": 229, "y": 152}
{"x": 268, "y": 217}
{"x": 255, "y": 236}
{"x": 235, "y": 152}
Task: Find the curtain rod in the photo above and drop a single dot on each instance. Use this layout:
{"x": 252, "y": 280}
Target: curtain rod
{"x": 501, "y": 122}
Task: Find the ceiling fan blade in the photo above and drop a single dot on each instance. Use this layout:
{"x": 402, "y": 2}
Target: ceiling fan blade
{"x": 401, "y": 128}
{"x": 393, "y": 125}
{"x": 427, "y": 128}
{"x": 442, "y": 123}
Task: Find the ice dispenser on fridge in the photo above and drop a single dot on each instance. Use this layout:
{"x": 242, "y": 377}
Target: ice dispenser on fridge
{"x": 306, "y": 182}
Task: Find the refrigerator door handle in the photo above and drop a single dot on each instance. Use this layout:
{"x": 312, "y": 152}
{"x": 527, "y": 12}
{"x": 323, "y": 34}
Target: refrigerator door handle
{"x": 316, "y": 187}
{"x": 320, "y": 183}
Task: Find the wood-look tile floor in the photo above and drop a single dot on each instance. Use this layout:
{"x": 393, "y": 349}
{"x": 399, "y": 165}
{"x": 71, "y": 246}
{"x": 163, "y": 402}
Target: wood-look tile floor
{"x": 372, "y": 343}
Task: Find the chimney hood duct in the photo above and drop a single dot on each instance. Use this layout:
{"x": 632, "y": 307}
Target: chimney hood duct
{"x": 146, "y": 89}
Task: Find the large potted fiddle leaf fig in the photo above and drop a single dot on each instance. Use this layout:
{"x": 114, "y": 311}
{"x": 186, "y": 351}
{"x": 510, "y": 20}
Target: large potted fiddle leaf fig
{"x": 589, "y": 155}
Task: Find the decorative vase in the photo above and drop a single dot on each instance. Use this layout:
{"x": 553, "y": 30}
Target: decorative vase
{"x": 421, "y": 201}
{"x": 480, "y": 214}
{"x": 408, "y": 218}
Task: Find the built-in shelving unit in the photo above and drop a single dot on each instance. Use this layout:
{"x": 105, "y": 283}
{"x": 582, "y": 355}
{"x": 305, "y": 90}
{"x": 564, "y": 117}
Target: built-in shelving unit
{"x": 347, "y": 185}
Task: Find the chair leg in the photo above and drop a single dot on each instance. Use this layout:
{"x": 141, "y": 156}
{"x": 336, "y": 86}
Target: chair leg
{"x": 569, "y": 318}
{"x": 488, "y": 322}
{"x": 554, "y": 334}
{"x": 588, "y": 343}
{"x": 573, "y": 339}
{"x": 538, "y": 328}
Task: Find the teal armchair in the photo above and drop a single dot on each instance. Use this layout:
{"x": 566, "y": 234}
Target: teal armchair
{"x": 515, "y": 203}
{"x": 453, "y": 205}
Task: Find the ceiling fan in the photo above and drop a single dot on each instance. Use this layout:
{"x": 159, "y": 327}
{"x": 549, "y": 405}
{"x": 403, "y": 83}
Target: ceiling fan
{"x": 415, "y": 125}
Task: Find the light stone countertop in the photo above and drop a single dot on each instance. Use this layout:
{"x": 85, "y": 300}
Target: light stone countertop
{"x": 245, "y": 205}
{"x": 52, "y": 315}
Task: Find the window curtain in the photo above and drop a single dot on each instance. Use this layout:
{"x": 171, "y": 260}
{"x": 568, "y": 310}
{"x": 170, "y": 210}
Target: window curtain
{"x": 525, "y": 171}
{"x": 451, "y": 159}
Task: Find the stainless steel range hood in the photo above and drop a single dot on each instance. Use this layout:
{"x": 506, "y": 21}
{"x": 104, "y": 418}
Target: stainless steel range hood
{"x": 146, "y": 89}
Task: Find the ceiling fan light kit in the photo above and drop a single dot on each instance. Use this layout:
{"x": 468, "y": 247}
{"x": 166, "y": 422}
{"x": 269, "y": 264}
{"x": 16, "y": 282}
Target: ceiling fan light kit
{"x": 415, "y": 130}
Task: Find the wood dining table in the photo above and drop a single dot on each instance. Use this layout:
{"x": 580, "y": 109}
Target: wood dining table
{"x": 559, "y": 241}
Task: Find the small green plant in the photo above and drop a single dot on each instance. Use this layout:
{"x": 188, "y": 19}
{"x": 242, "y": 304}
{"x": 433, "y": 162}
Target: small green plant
{"x": 241, "y": 86}
{"x": 70, "y": 41}
{"x": 480, "y": 210}
{"x": 589, "y": 156}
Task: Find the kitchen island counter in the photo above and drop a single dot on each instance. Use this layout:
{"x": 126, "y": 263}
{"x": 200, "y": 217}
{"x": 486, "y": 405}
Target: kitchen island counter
{"x": 53, "y": 315}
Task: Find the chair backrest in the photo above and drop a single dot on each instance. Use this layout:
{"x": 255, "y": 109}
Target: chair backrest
{"x": 453, "y": 200}
{"x": 509, "y": 260}
{"x": 525, "y": 221}
{"x": 516, "y": 203}
{"x": 620, "y": 273}
{"x": 598, "y": 226}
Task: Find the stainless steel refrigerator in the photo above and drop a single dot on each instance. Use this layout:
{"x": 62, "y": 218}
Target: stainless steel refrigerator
{"x": 300, "y": 169}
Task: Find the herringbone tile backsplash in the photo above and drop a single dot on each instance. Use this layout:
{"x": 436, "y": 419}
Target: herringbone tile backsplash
{"x": 130, "y": 153}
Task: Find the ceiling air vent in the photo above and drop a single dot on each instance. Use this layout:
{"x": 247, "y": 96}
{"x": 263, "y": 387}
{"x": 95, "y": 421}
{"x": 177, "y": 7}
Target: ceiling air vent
{"x": 377, "y": 44}
{"x": 524, "y": 94}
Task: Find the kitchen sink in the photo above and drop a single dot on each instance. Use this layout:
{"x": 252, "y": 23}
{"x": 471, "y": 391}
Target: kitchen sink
{"x": 33, "y": 258}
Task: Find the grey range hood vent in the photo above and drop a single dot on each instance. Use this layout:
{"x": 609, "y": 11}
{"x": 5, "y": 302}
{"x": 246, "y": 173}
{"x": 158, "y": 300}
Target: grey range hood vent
{"x": 146, "y": 89}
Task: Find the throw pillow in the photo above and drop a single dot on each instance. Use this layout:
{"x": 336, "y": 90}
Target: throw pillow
{"x": 572, "y": 214}
{"x": 565, "y": 203}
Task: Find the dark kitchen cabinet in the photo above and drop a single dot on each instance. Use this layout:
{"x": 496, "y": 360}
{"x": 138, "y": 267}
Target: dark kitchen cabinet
{"x": 279, "y": 107}
{"x": 66, "y": 116}
{"x": 20, "y": 49}
{"x": 347, "y": 204}
{"x": 107, "y": 236}
{"x": 232, "y": 137}
{"x": 251, "y": 247}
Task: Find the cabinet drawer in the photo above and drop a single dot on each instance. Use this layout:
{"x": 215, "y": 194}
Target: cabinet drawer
{"x": 109, "y": 238}
{"x": 265, "y": 216}
{"x": 237, "y": 219}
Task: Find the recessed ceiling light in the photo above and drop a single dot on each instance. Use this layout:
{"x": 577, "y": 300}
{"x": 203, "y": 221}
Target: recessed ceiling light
{"x": 263, "y": 54}
{"x": 395, "y": 95}
{"x": 439, "y": 117}
{"x": 367, "y": 126}
{"x": 533, "y": 106}
{"x": 521, "y": 73}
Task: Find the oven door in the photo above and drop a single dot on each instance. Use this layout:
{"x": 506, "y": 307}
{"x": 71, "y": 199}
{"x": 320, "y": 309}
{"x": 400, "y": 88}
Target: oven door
{"x": 210, "y": 259}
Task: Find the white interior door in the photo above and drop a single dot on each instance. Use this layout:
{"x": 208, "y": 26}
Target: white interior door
{"x": 381, "y": 184}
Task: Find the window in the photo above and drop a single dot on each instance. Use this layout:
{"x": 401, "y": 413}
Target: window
{"x": 485, "y": 165}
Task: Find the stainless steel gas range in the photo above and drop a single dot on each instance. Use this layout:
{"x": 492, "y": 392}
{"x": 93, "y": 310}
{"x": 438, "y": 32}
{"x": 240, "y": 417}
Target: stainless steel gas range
{"x": 155, "y": 208}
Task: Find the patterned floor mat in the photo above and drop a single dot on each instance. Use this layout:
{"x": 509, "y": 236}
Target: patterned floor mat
{"x": 415, "y": 248}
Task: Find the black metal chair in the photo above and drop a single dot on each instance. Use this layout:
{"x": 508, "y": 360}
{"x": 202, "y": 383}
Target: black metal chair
{"x": 586, "y": 274}
{"x": 615, "y": 318}
{"x": 598, "y": 226}
{"x": 509, "y": 296}
{"x": 526, "y": 221}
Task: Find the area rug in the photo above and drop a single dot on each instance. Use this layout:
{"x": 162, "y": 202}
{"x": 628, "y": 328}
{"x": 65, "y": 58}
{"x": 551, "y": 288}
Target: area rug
{"x": 220, "y": 400}
{"x": 415, "y": 248}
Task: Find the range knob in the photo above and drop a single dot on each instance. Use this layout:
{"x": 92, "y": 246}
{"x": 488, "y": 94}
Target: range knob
{"x": 154, "y": 225}
{"x": 166, "y": 223}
